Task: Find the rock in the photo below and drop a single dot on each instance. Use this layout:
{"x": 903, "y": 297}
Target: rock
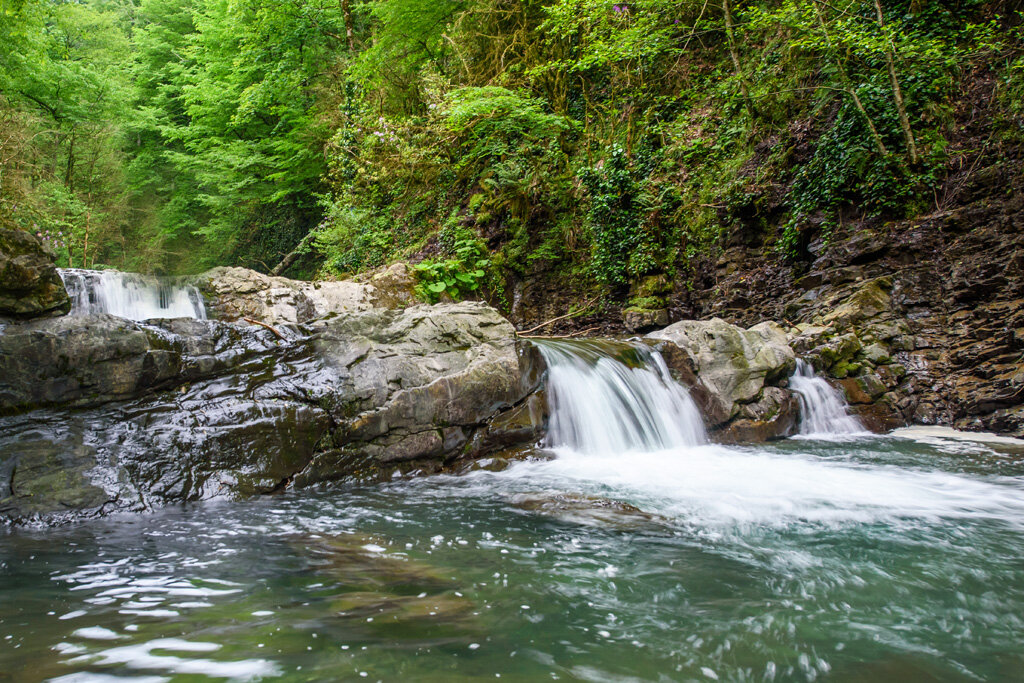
{"x": 29, "y": 283}
{"x": 587, "y": 510}
{"x": 774, "y": 416}
{"x": 174, "y": 410}
{"x": 839, "y": 350}
{"x": 393, "y": 286}
{"x": 236, "y": 293}
{"x": 864, "y": 389}
{"x": 524, "y": 423}
{"x": 77, "y": 361}
{"x": 869, "y": 300}
{"x": 876, "y": 353}
{"x": 733, "y": 364}
{"x": 642, "y": 320}
{"x": 879, "y": 417}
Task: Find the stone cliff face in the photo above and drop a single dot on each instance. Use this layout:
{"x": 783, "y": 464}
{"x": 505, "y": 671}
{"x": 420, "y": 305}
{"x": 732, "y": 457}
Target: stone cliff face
{"x": 104, "y": 414}
{"x": 935, "y": 307}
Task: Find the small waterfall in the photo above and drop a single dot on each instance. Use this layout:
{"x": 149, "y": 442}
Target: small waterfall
{"x": 822, "y": 410}
{"x": 613, "y": 397}
{"x": 130, "y": 295}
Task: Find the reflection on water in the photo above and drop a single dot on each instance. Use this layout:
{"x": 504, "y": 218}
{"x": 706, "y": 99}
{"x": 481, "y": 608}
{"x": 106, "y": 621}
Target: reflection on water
{"x": 875, "y": 560}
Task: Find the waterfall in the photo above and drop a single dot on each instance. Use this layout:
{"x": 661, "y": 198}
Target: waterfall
{"x": 130, "y": 295}
{"x": 822, "y": 409}
{"x": 613, "y": 397}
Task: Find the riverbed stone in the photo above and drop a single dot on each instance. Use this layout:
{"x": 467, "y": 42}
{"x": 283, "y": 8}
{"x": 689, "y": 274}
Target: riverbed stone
{"x": 642, "y": 320}
{"x": 29, "y": 283}
{"x": 775, "y": 415}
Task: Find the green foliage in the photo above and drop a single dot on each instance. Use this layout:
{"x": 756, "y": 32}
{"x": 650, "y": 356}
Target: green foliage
{"x": 621, "y": 202}
{"x": 601, "y": 141}
{"x": 352, "y": 240}
{"x": 455, "y": 277}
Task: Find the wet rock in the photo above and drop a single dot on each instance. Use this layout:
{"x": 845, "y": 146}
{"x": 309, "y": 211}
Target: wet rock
{"x": 864, "y": 389}
{"x": 525, "y": 423}
{"x": 81, "y": 361}
{"x": 775, "y": 415}
{"x": 433, "y": 611}
{"x": 732, "y": 364}
{"x": 642, "y": 320}
{"x": 188, "y": 409}
{"x": 587, "y": 510}
{"x": 29, "y": 283}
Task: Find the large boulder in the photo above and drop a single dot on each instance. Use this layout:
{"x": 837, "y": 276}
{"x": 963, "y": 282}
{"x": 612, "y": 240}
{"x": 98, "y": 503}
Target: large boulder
{"x": 732, "y": 366}
{"x": 239, "y": 293}
{"x": 133, "y": 415}
{"x": 29, "y": 283}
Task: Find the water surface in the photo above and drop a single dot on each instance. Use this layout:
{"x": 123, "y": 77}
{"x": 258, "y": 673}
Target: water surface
{"x": 864, "y": 559}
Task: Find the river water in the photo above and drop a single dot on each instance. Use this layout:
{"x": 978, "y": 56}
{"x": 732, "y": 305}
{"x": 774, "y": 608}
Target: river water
{"x": 863, "y": 558}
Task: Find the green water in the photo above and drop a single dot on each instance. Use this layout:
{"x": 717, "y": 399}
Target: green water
{"x": 870, "y": 560}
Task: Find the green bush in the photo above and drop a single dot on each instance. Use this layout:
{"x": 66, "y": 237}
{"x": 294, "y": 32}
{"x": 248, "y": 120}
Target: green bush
{"x": 455, "y": 277}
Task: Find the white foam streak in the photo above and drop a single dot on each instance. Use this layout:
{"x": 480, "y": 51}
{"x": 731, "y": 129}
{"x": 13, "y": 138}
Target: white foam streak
{"x": 714, "y": 486}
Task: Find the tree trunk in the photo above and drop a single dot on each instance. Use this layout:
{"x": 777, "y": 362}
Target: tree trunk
{"x": 346, "y": 11}
{"x": 897, "y": 92}
{"x": 69, "y": 170}
{"x": 734, "y": 56}
{"x": 294, "y": 254}
{"x": 879, "y": 145}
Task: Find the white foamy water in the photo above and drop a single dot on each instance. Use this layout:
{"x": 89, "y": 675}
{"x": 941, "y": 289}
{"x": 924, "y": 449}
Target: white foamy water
{"x": 633, "y": 433}
{"x": 130, "y": 295}
{"x": 600, "y": 404}
{"x": 715, "y": 485}
{"x": 823, "y": 412}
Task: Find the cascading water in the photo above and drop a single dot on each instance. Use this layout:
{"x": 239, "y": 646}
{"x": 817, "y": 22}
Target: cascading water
{"x": 822, "y": 410}
{"x": 613, "y": 397}
{"x": 130, "y": 295}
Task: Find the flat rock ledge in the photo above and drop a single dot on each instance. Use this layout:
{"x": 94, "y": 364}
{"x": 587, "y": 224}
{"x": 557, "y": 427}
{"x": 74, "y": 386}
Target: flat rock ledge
{"x": 101, "y": 414}
{"x": 233, "y": 293}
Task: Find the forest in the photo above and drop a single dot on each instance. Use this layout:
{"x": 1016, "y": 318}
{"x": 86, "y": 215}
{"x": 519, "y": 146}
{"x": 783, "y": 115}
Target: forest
{"x": 610, "y": 144}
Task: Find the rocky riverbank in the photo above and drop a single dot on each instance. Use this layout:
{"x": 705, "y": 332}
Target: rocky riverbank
{"x": 297, "y": 383}
{"x": 105, "y": 414}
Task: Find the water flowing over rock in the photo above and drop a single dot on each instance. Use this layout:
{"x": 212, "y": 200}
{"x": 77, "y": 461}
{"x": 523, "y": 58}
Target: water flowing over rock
{"x": 130, "y": 295}
{"x": 611, "y": 397}
{"x": 106, "y": 414}
{"x": 822, "y": 409}
{"x": 29, "y": 283}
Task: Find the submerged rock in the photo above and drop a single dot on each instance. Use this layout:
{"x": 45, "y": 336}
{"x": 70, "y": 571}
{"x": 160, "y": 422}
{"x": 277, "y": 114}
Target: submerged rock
{"x": 29, "y": 282}
{"x": 175, "y": 410}
{"x": 587, "y": 510}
